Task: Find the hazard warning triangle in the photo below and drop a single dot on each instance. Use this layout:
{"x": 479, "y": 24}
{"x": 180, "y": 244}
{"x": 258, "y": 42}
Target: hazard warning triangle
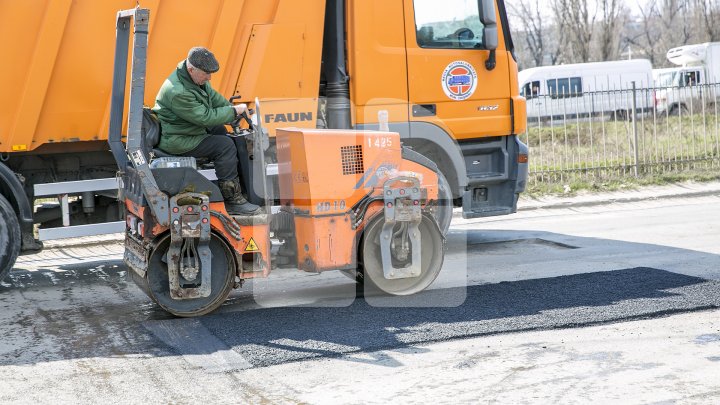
{"x": 252, "y": 246}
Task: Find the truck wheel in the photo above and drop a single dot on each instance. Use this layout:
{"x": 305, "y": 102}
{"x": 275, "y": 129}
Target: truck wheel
{"x": 443, "y": 211}
{"x": 9, "y": 237}
{"x": 679, "y": 110}
{"x": 620, "y": 115}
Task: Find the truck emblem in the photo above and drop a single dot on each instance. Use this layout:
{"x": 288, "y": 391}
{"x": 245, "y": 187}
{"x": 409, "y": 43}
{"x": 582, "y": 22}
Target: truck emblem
{"x": 459, "y": 80}
{"x": 494, "y": 107}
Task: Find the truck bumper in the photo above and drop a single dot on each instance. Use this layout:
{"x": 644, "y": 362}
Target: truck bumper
{"x": 495, "y": 189}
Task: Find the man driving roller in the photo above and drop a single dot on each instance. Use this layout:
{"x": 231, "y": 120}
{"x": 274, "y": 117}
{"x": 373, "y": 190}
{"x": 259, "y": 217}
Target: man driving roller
{"x": 190, "y": 111}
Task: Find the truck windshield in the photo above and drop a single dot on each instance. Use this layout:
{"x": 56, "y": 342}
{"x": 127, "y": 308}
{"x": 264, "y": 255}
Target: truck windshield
{"x": 665, "y": 79}
{"x": 448, "y": 24}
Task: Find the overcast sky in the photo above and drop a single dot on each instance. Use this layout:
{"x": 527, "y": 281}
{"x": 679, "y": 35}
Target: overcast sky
{"x": 631, "y": 4}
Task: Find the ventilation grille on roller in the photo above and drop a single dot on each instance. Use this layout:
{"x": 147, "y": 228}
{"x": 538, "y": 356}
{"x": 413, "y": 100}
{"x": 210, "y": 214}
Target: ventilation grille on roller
{"x": 352, "y": 159}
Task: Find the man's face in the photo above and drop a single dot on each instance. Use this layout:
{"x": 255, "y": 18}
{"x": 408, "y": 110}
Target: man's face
{"x": 199, "y": 76}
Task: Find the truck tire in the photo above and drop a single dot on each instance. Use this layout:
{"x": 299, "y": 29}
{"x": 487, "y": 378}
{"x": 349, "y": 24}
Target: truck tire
{"x": 10, "y": 237}
{"x": 443, "y": 212}
{"x": 679, "y": 110}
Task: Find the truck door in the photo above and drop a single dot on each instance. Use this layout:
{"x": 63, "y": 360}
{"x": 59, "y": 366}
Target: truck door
{"x": 448, "y": 83}
{"x": 691, "y": 90}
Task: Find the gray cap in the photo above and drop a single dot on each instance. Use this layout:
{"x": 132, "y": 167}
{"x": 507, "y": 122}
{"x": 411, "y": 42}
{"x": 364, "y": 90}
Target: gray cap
{"x": 203, "y": 59}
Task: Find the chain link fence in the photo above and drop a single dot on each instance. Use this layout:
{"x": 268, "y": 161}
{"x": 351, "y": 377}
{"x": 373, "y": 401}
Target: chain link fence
{"x": 611, "y": 134}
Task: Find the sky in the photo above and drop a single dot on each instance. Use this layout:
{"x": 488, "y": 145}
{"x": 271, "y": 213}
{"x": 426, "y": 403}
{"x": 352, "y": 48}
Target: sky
{"x": 429, "y": 11}
{"x": 633, "y": 5}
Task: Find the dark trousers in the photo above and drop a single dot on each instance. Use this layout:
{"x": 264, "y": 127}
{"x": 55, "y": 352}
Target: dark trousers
{"x": 221, "y": 150}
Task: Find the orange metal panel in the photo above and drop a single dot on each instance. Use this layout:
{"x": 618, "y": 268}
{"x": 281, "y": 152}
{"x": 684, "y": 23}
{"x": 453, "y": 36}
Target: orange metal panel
{"x": 45, "y": 53}
{"x": 520, "y": 114}
{"x": 325, "y": 243}
{"x": 254, "y": 239}
{"x": 16, "y": 17}
{"x": 268, "y": 72}
{"x": 520, "y": 104}
{"x": 376, "y": 58}
{"x": 283, "y": 52}
{"x": 466, "y": 121}
{"x": 397, "y": 111}
{"x": 222, "y": 38}
{"x": 326, "y": 172}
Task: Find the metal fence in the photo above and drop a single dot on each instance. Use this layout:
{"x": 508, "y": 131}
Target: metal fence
{"x": 611, "y": 134}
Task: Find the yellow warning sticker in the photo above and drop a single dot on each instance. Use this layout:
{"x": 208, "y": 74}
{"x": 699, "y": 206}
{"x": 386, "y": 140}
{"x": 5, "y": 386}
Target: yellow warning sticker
{"x": 252, "y": 246}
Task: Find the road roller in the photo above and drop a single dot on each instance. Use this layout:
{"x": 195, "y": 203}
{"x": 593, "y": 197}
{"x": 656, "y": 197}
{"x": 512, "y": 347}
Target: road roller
{"x": 354, "y": 201}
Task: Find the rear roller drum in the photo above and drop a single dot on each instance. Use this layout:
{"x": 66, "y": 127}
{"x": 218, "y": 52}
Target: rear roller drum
{"x": 9, "y": 237}
{"x": 371, "y": 268}
{"x": 157, "y": 284}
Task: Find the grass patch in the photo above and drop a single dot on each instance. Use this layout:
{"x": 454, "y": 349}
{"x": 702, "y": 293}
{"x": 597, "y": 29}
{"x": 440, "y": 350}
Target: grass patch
{"x": 574, "y": 185}
{"x": 599, "y": 155}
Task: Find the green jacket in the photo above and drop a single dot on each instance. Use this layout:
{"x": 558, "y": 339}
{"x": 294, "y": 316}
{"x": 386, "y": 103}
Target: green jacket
{"x": 186, "y": 110}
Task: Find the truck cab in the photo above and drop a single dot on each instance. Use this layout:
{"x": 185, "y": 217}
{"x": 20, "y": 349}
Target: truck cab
{"x": 691, "y": 86}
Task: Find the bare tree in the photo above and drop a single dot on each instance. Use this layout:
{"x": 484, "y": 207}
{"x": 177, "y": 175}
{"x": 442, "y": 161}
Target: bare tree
{"x": 675, "y": 23}
{"x": 647, "y": 36}
{"x": 576, "y": 17}
{"x": 534, "y": 34}
{"x": 572, "y": 31}
{"x": 706, "y": 14}
{"x": 557, "y": 37}
{"x": 612, "y": 20}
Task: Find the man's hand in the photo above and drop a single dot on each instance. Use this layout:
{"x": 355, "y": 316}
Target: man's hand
{"x": 240, "y": 108}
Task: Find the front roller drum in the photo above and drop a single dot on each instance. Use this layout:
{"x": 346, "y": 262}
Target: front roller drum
{"x": 156, "y": 283}
{"x": 432, "y": 254}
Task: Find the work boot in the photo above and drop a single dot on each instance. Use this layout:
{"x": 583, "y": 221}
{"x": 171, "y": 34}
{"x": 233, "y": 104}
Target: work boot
{"x": 235, "y": 203}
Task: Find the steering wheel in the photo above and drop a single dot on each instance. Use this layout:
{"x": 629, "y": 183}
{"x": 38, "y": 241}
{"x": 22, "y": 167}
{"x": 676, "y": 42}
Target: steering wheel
{"x": 464, "y": 34}
{"x": 462, "y": 37}
{"x": 235, "y": 124}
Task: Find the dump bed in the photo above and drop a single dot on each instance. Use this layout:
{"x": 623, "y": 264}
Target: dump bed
{"x": 58, "y": 58}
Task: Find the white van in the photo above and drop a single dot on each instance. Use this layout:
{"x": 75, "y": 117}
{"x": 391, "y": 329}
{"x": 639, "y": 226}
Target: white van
{"x": 587, "y": 89}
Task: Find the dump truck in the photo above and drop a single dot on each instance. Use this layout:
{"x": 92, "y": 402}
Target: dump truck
{"x": 440, "y": 74}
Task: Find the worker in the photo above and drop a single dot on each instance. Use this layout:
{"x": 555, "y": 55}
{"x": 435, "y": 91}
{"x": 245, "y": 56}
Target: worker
{"x": 190, "y": 112}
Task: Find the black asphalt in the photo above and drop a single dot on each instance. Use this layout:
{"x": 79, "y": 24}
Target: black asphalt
{"x": 271, "y": 336}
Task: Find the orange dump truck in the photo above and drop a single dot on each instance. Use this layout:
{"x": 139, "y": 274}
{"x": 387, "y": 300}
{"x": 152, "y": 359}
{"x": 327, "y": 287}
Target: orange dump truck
{"x": 441, "y": 74}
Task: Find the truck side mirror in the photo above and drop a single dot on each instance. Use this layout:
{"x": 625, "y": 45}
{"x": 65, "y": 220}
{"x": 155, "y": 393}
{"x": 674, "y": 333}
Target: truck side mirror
{"x": 490, "y": 32}
{"x": 489, "y": 20}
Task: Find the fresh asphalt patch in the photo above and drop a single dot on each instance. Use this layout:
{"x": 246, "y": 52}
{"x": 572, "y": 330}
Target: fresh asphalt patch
{"x": 271, "y": 336}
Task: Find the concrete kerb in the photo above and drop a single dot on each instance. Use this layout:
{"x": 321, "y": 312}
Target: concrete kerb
{"x": 681, "y": 190}
{"x": 674, "y": 191}
{"x": 86, "y": 241}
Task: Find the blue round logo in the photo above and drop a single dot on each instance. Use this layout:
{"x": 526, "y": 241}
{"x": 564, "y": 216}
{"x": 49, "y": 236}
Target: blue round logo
{"x": 459, "y": 80}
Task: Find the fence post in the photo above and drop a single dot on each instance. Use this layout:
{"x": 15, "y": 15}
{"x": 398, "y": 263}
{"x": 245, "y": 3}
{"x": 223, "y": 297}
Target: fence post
{"x": 635, "y": 131}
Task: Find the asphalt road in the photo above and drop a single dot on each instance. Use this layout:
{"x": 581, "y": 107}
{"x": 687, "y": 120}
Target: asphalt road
{"x": 71, "y": 316}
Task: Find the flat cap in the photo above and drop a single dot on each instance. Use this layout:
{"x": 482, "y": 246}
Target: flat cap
{"x": 203, "y": 59}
